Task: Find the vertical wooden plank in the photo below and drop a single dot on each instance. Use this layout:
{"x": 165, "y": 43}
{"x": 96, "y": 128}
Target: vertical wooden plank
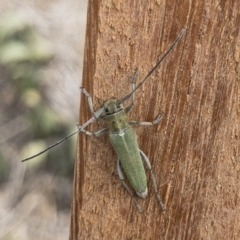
{"x": 194, "y": 150}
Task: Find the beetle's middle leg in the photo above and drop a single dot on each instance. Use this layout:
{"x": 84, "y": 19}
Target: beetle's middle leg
{"x": 120, "y": 174}
{"x": 146, "y": 160}
{"x": 93, "y": 134}
{"x": 156, "y": 121}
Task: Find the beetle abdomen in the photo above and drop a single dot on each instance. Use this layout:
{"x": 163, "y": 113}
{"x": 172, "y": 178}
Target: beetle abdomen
{"x": 126, "y": 147}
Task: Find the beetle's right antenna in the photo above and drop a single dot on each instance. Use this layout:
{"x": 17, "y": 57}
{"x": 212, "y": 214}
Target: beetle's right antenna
{"x": 157, "y": 64}
{"x": 96, "y": 115}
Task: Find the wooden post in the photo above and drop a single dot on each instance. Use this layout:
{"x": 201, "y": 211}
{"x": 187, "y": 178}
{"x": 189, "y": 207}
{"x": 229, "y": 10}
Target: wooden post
{"x": 194, "y": 150}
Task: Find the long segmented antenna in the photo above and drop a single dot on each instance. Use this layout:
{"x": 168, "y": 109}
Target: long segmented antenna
{"x": 97, "y": 114}
{"x": 100, "y": 111}
{"x": 154, "y": 68}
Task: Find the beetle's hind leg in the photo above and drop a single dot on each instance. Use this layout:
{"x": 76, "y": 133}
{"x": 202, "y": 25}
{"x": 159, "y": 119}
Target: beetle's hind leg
{"x": 156, "y": 121}
{"x": 146, "y": 160}
{"x": 120, "y": 174}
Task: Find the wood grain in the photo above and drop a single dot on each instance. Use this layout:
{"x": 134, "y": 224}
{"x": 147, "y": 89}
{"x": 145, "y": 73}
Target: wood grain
{"x": 194, "y": 150}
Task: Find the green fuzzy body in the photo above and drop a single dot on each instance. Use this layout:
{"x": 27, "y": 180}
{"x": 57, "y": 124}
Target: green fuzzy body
{"x": 124, "y": 141}
{"x": 127, "y": 150}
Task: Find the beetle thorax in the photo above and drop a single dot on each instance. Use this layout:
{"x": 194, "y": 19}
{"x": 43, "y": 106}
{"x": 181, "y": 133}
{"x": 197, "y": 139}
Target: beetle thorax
{"x": 115, "y": 116}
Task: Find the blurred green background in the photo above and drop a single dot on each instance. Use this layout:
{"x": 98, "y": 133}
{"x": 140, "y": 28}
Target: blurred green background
{"x": 41, "y": 55}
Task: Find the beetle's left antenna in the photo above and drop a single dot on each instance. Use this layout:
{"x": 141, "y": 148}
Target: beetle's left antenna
{"x": 96, "y": 115}
{"x": 157, "y": 64}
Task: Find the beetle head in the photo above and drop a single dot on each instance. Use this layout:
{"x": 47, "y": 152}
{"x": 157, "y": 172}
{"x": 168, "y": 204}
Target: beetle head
{"x": 112, "y": 106}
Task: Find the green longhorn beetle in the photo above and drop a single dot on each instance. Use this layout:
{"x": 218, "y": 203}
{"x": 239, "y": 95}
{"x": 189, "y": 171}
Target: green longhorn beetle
{"x": 123, "y": 137}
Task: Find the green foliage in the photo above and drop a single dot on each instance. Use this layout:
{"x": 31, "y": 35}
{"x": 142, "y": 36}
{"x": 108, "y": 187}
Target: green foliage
{"x": 23, "y": 54}
{"x": 4, "y": 168}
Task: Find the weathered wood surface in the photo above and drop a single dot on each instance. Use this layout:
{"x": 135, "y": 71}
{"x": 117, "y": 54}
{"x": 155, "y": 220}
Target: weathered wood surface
{"x": 194, "y": 150}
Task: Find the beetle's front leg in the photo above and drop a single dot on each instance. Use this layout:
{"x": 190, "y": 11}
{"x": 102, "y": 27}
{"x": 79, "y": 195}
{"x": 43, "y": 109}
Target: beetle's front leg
{"x": 156, "y": 121}
{"x": 90, "y": 102}
{"x": 134, "y": 77}
{"x": 93, "y": 134}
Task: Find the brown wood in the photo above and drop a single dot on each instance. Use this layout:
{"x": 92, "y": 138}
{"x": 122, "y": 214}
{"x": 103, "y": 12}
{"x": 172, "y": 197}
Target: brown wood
{"x": 194, "y": 150}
